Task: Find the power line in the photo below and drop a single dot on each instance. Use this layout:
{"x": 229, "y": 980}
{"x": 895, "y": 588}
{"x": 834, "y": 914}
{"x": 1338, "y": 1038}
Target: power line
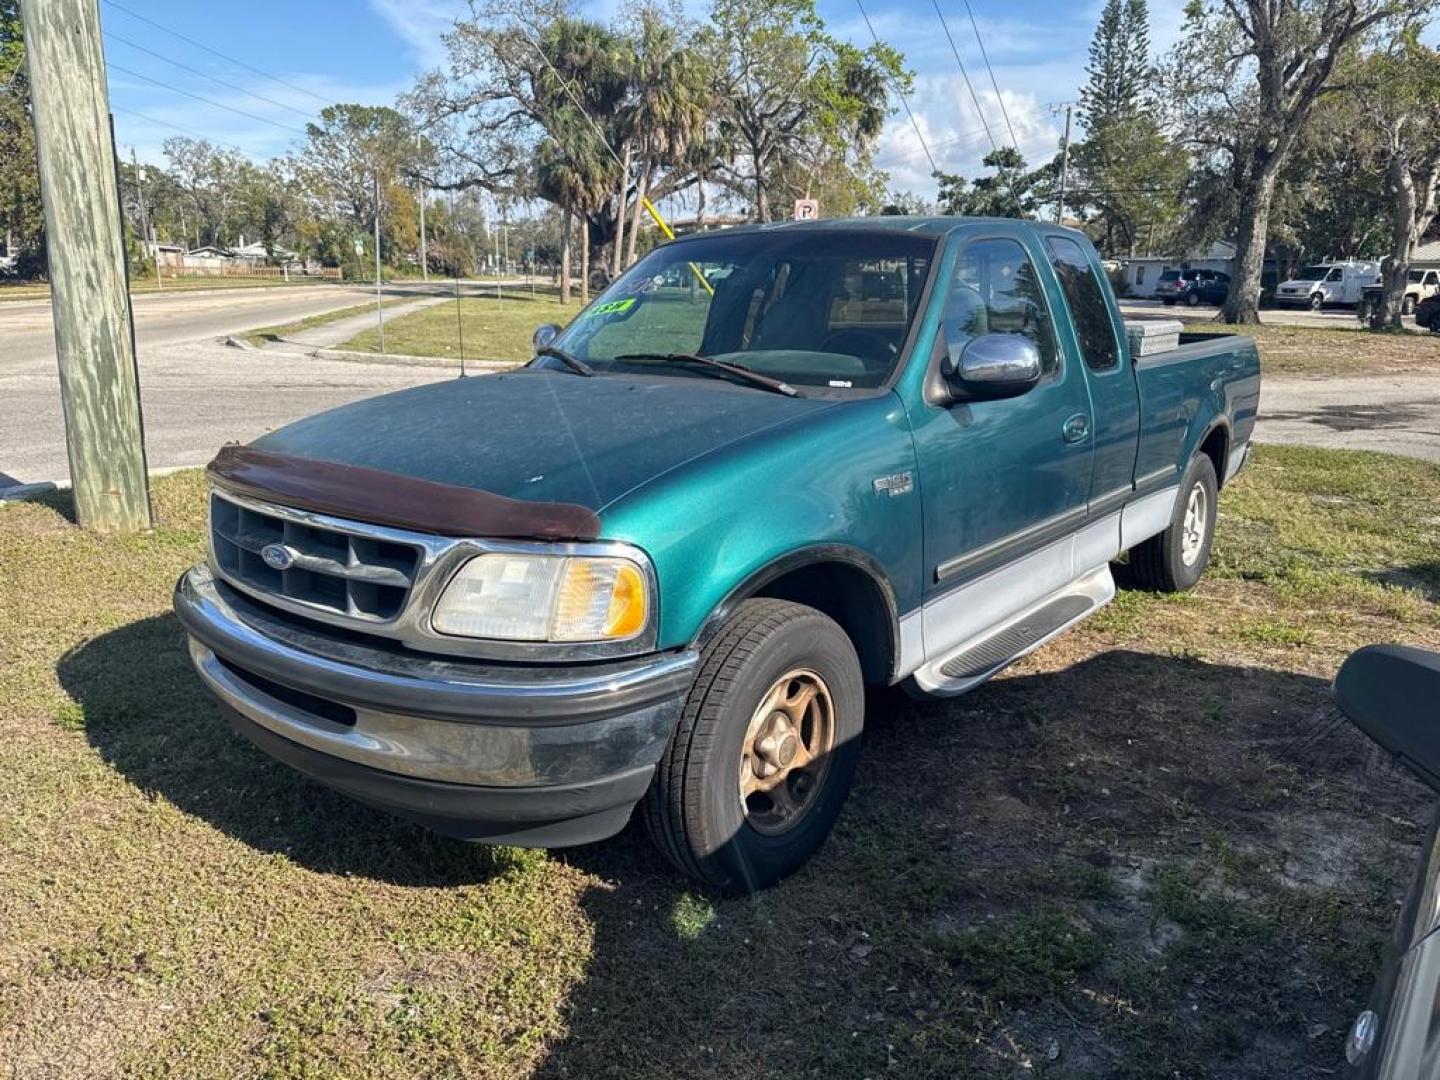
{"x": 973, "y": 135}
{"x": 903, "y": 99}
{"x": 205, "y": 100}
{"x": 965, "y": 75}
{"x": 207, "y": 75}
{"x": 217, "y": 52}
{"x": 569, "y": 90}
{"x": 984, "y": 56}
{"x": 176, "y": 127}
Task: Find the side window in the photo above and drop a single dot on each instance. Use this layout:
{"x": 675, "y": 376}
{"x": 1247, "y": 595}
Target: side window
{"x": 1334, "y": 275}
{"x": 995, "y": 291}
{"x": 1140, "y": 275}
{"x": 1086, "y": 298}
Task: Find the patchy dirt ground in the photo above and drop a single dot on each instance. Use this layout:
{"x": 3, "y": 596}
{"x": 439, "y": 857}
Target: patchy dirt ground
{"x": 1151, "y": 850}
{"x": 1325, "y": 351}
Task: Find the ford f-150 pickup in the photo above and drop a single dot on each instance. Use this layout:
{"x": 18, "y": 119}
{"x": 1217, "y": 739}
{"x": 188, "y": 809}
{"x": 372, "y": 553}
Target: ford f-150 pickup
{"x": 660, "y": 565}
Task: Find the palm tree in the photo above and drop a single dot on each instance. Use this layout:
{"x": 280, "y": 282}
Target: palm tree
{"x": 575, "y": 172}
{"x": 669, "y": 109}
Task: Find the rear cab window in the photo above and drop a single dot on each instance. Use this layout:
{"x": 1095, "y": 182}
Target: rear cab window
{"x": 1094, "y": 327}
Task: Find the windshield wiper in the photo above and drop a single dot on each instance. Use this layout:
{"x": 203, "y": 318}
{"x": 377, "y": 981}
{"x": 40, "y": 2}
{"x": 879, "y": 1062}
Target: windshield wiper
{"x": 569, "y": 359}
{"x": 754, "y": 378}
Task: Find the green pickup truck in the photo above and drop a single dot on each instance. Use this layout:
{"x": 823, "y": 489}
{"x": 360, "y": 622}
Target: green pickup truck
{"x": 660, "y": 565}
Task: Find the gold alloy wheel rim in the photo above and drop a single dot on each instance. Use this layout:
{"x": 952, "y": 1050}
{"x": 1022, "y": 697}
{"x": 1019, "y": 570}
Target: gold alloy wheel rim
{"x": 785, "y": 754}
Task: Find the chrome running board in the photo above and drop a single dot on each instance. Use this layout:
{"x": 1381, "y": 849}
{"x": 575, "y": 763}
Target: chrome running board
{"x": 981, "y": 657}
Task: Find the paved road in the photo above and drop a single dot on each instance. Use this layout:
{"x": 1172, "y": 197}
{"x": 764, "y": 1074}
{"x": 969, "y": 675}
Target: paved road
{"x": 1397, "y": 414}
{"x": 1331, "y": 318}
{"x": 196, "y": 393}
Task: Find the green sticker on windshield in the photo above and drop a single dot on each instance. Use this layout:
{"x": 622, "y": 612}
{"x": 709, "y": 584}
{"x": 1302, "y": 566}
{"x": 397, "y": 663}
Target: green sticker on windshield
{"x": 614, "y": 307}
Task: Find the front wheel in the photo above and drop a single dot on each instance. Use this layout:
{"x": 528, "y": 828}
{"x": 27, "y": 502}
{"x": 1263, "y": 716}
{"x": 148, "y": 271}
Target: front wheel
{"x": 764, "y": 753}
{"x": 1175, "y": 560}
{"x": 1407, "y": 306}
{"x": 1193, "y": 299}
{"x": 1317, "y": 301}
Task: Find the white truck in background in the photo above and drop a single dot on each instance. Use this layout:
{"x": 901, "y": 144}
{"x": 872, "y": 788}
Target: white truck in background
{"x": 1327, "y": 283}
{"x": 1419, "y": 285}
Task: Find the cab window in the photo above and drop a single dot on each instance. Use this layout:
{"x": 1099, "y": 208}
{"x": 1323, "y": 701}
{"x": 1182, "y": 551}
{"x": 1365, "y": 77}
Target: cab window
{"x": 1335, "y": 274}
{"x": 995, "y": 290}
{"x": 1086, "y": 298}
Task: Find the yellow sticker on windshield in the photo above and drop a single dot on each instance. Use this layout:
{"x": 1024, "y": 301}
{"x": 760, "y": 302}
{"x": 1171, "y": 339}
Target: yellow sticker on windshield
{"x": 614, "y": 307}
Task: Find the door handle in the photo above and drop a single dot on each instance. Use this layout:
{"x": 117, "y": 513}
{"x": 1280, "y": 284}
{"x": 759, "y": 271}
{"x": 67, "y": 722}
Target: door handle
{"x": 1076, "y": 428}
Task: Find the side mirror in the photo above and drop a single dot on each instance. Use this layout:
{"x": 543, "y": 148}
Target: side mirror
{"x": 544, "y": 335}
{"x": 992, "y": 366}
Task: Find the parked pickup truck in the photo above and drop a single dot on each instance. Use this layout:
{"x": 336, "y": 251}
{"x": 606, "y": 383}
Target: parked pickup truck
{"x": 661, "y": 564}
{"x": 1420, "y": 285}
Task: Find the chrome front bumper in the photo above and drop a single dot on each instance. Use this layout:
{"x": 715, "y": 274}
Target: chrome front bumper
{"x": 524, "y": 754}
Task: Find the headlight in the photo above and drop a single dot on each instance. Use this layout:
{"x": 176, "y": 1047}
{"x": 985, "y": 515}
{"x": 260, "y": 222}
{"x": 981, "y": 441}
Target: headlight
{"x": 545, "y": 598}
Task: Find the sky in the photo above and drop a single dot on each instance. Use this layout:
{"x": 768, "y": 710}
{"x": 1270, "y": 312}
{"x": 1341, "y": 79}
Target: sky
{"x": 282, "y": 61}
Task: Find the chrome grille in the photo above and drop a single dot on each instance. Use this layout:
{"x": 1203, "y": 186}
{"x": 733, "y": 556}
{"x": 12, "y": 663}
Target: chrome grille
{"x": 366, "y": 578}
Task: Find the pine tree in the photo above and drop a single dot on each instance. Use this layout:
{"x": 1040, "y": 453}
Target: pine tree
{"x": 1119, "y": 69}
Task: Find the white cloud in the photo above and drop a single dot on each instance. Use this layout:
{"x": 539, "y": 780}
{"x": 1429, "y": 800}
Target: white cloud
{"x": 422, "y": 24}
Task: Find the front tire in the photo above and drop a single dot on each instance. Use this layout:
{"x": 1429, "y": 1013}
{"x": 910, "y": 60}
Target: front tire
{"x": 765, "y": 751}
{"x": 1317, "y": 302}
{"x": 1407, "y": 306}
{"x": 1175, "y": 560}
{"x": 1193, "y": 299}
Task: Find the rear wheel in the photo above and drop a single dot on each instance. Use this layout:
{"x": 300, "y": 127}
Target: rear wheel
{"x": 765, "y": 751}
{"x": 1192, "y": 299}
{"x": 1175, "y": 560}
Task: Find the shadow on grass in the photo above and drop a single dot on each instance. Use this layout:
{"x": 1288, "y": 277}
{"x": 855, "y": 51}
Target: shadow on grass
{"x": 1423, "y": 576}
{"x": 987, "y": 899}
{"x": 147, "y": 713}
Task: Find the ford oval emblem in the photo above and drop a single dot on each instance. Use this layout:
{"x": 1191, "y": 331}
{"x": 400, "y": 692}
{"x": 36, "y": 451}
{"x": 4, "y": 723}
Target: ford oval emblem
{"x": 277, "y": 556}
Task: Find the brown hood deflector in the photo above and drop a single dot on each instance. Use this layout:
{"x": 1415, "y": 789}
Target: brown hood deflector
{"x": 383, "y": 498}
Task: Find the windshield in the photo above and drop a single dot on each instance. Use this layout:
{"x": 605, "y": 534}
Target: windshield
{"x": 822, "y": 309}
{"x": 1417, "y": 276}
{"x": 1312, "y": 273}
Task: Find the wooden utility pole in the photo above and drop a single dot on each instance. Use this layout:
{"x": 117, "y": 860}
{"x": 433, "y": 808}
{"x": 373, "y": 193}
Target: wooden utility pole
{"x": 1064, "y": 167}
{"x": 85, "y": 249}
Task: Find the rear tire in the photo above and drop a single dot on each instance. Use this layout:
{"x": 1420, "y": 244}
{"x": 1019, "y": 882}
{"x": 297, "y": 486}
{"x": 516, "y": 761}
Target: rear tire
{"x": 695, "y": 811}
{"x": 1193, "y": 299}
{"x": 1175, "y": 560}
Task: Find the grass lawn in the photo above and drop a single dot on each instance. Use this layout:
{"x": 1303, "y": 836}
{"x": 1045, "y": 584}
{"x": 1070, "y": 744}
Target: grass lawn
{"x": 491, "y": 328}
{"x": 41, "y": 290}
{"x": 500, "y": 330}
{"x": 1350, "y": 350}
{"x": 1151, "y": 850}
{"x": 267, "y": 334}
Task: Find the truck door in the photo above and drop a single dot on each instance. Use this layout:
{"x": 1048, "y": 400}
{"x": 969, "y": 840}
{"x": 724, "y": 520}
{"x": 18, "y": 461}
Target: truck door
{"x": 1000, "y": 480}
{"x": 1094, "y": 331}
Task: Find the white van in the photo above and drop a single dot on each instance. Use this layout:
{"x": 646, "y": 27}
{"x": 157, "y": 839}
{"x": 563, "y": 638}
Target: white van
{"x": 1328, "y": 283}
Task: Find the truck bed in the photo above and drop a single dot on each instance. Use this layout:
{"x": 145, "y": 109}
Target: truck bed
{"x": 1172, "y": 392}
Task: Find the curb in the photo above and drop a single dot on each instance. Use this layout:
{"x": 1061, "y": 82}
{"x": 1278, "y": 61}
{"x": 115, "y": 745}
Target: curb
{"x": 403, "y": 360}
{"x": 20, "y": 492}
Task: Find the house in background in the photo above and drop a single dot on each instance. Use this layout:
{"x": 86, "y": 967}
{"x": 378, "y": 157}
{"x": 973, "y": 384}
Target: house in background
{"x": 1427, "y": 256}
{"x": 255, "y": 252}
{"x": 1139, "y": 273}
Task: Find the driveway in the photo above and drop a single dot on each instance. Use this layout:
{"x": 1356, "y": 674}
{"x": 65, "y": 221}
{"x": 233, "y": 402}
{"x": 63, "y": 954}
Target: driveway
{"x": 1330, "y": 318}
{"x": 196, "y": 393}
{"x": 1395, "y": 414}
